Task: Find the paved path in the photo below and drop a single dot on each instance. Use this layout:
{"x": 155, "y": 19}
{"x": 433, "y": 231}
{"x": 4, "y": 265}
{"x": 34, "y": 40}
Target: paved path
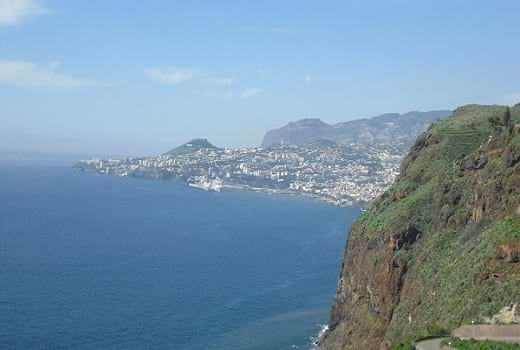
{"x": 431, "y": 344}
{"x": 508, "y": 333}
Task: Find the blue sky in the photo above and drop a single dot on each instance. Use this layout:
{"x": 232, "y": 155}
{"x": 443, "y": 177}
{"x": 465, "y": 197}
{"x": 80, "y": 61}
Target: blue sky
{"x": 139, "y": 77}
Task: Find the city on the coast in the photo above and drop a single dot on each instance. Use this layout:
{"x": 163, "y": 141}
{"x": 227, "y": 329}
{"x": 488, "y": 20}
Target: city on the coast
{"x": 344, "y": 175}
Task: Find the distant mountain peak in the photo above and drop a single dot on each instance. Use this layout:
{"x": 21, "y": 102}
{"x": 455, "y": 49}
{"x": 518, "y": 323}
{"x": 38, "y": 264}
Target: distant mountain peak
{"x": 200, "y": 142}
{"x": 309, "y": 122}
{"x": 191, "y": 146}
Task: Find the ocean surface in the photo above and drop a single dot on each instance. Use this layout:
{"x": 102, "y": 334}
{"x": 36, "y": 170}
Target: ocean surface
{"x": 98, "y": 262}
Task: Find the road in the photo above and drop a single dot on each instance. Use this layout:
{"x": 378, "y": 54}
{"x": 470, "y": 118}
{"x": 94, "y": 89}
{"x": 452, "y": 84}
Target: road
{"x": 431, "y": 344}
{"x": 507, "y": 333}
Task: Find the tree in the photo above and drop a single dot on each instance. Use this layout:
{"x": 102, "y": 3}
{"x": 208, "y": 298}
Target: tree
{"x": 506, "y": 118}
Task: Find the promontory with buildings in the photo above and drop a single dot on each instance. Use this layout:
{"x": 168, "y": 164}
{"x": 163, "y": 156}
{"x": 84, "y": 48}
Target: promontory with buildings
{"x": 347, "y": 163}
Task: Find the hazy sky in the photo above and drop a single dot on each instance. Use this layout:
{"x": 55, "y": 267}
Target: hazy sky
{"x": 139, "y": 77}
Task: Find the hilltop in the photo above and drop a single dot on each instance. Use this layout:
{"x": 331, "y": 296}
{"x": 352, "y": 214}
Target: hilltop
{"x": 191, "y": 147}
{"x": 441, "y": 247}
{"x": 391, "y": 128}
{"x": 297, "y": 133}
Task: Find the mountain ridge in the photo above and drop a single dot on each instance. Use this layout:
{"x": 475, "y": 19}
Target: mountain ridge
{"x": 377, "y": 129}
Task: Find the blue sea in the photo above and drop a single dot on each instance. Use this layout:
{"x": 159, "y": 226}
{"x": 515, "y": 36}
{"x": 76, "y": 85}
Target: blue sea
{"x": 97, "y": 262}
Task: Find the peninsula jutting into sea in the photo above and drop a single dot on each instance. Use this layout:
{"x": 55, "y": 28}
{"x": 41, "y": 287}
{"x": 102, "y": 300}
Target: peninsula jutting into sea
{"x": 348, "y": 163}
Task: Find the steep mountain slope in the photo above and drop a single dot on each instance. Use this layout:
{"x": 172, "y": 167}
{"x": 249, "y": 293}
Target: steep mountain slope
{"x": 442, "y": 246}
{"x": 387, "y": 128}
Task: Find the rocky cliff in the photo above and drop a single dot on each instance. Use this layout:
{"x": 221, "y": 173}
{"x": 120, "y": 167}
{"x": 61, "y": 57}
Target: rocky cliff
{"x": 442, "y": 246}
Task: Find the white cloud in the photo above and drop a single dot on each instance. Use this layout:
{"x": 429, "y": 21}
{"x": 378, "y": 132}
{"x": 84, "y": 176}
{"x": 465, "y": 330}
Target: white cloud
{"x": 248, "y": 93}
{"x": 207, "y": 85}
{"x": 176, "y": 75}
{"x": 29, "y": 75}
{"x": 308, "y": 79}
{"x": 170, "y": 75}
{"x": 512, "y": 99}
{"x": 54, "y": 64}
{"x": 13, "y": 12}
{"x": 229, "y": 95}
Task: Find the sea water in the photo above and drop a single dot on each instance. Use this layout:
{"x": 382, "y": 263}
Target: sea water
{"x": 98, "y": 262}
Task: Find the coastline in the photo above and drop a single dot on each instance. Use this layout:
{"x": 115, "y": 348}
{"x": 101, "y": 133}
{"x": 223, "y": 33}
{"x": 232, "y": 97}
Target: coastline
{"x": 316, "y": 340}
{"x": 295, "y": 194}
{"x": 235, "y": 187}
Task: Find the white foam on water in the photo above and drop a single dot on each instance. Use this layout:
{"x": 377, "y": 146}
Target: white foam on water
{"x": 316, "y": 340}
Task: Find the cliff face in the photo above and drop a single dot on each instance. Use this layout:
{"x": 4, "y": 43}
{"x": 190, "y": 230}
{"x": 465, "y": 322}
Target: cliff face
{"x": 442, "y": 246}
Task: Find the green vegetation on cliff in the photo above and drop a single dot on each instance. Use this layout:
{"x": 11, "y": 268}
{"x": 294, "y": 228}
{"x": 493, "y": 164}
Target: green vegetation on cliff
{"x": 442, "y": 246}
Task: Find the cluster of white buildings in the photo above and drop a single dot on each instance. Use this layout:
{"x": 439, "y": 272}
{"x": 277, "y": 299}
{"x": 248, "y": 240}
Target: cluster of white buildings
{"x": 342, "y": 174}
